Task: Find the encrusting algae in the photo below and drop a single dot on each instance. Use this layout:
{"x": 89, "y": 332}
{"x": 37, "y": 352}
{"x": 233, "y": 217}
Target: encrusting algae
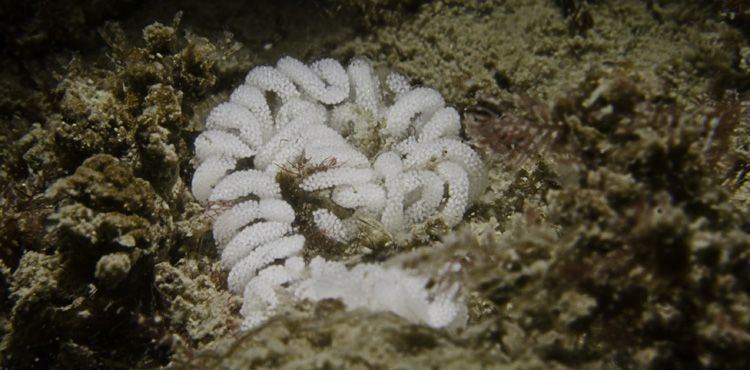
{"x": 613, "y": 234}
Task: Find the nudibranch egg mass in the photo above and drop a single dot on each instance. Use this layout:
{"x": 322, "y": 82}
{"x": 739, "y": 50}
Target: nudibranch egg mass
{"x": 370, "y": 148}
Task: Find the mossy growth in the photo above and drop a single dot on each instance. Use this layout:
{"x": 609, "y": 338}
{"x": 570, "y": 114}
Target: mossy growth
{"x": 469, "y": 50}
{"x": 103, "y": 208}
{"x": 201, "y": 310}
{"x": 638, "y": 246}
{"x": 137, "y": 106}
{"x": 116, "y": 130}
{"x": 339, "y": 339}
{"x": 106, "y": 232}
{"x": 378, "y": 12}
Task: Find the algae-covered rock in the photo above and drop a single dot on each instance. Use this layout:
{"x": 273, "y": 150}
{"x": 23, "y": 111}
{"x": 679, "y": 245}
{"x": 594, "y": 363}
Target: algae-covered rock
{"x": 136, "y": 108}
{"x": 108, "y": 229}
{"x": 113, "y": 134}
{"x": 477, "y": 49}
{"x": 111, "y": 269}
{"x": 633, "y": 255}
{"x": 341, "y": 340}
{"x": 33, "y": 284}
{"x": 104, "y": 208}
{"x": 201, "y": 310}
{"x": 58, "y": 321}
